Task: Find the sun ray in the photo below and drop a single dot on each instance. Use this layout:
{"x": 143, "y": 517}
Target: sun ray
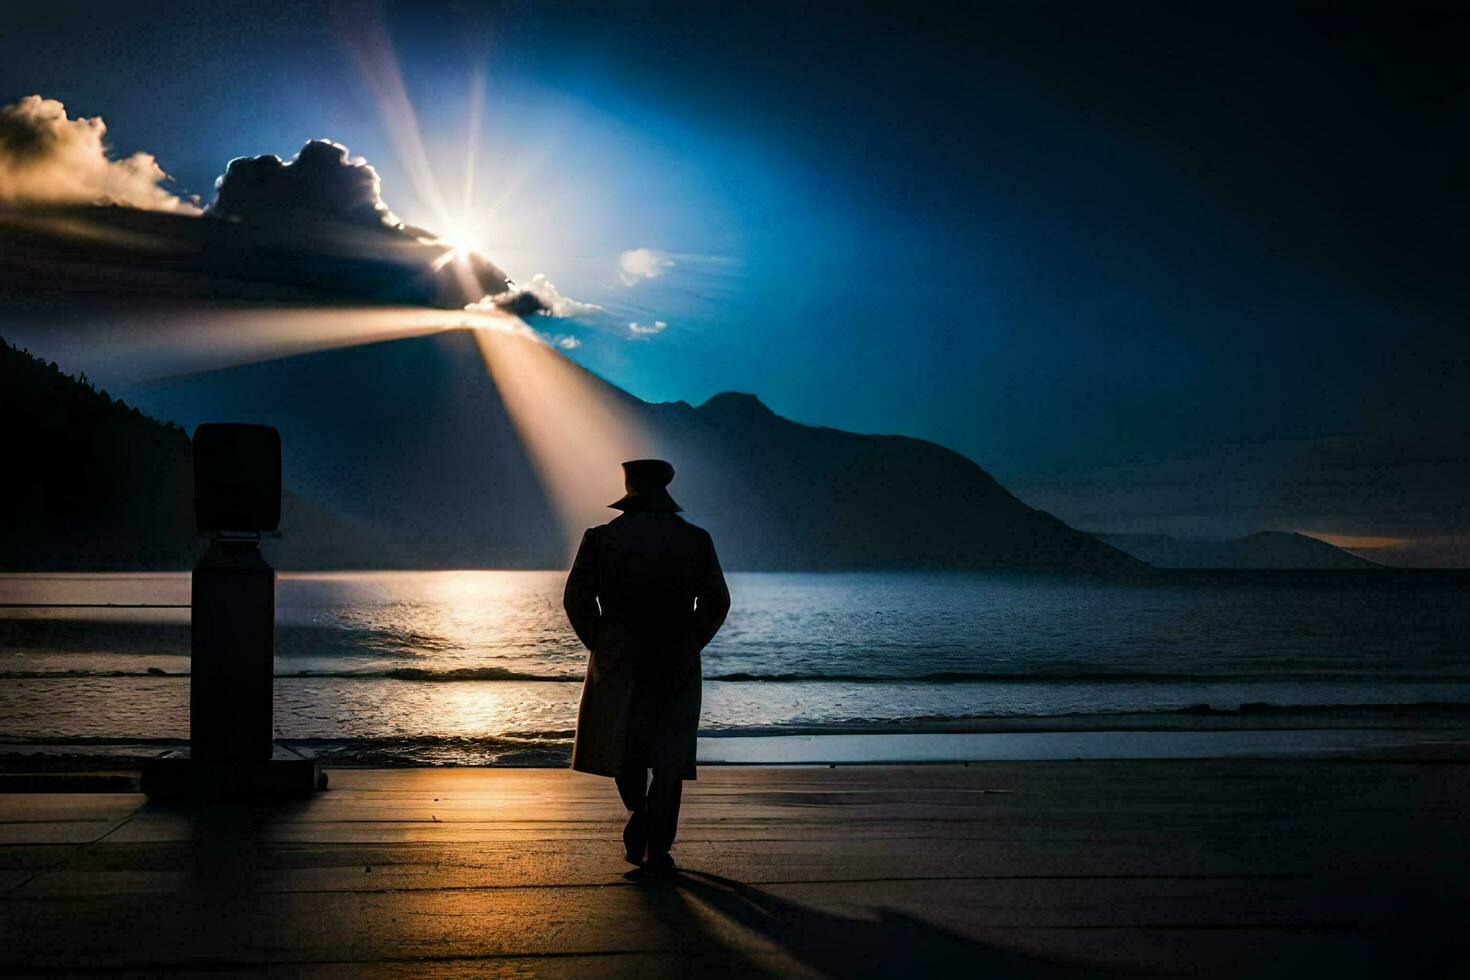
{"x": 372, "y": 49}
{"x": 576, "y": 429}
{"x": 472, "y": 137}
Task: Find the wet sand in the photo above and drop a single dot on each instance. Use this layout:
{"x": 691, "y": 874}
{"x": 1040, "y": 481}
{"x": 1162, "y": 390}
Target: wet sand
{"x": 1229, "y": 867}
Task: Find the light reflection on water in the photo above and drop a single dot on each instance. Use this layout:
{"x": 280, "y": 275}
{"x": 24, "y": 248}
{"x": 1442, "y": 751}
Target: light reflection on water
{"x": 800, "y": 651}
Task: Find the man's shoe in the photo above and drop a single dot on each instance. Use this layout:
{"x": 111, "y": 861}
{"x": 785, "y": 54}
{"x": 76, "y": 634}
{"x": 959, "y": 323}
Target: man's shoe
{"x": 659, "y": 866}
{"x": 634, "y": 838}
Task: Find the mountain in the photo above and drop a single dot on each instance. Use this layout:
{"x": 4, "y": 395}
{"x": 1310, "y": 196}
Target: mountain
{"x": 1262, "y": 550}
{"x": 454, "y": 450}
{"x": 778, "y": 494}
{"x": 87, "y": 475}
{"x": 93, "y": 483}
{"x": 483, "y": 449}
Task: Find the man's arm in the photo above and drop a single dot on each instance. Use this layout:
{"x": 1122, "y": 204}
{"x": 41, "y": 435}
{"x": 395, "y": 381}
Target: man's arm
{"x": 713, "y": 602}
{"x": 580, "y": 597}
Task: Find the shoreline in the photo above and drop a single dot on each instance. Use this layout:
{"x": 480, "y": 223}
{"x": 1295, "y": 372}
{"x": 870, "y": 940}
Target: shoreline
{"x": 1442, "y": 742}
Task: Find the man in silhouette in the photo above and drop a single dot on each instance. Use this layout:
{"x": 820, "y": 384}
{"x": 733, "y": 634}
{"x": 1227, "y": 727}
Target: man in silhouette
{"x": 645, "y": 595}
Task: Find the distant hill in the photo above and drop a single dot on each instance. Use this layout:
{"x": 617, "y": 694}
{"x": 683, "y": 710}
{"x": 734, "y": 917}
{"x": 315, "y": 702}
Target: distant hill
{"x": 1262, "y": 550}
{"x": 93, "y": 483}
{"x": 403, "y": 454}
{"x": 413, "y": 438}
{"x": 87, "y": 475}
{"x": 783, "y": 495}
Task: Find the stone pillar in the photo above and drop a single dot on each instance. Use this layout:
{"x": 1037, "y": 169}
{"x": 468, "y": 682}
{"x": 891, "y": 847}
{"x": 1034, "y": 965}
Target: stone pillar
{"x": 232, "y": 655}
{"x": 237, "y": 497}
{"x": 232, "y": 753}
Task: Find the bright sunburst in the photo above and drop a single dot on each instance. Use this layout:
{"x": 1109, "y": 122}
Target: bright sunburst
{"x": 464, "y": 237}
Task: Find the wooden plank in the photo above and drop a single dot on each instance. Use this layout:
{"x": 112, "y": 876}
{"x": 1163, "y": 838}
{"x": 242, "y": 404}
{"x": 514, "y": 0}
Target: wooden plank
{"x": 1029, "y": 869}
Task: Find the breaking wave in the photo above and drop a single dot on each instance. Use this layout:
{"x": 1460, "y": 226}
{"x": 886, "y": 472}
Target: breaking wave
{"x": 461, "y": 674}
{"x": 552, "y": 746}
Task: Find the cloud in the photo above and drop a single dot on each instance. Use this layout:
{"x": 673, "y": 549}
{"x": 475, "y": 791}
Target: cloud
{"x": 321, "y": 182}
{"x": 47, "y": 158}
{"x": 638, "y": 264}
{"x": 314, "y": 230}
{"x": 329, "y": 202}
{"x": 540, "y": 295}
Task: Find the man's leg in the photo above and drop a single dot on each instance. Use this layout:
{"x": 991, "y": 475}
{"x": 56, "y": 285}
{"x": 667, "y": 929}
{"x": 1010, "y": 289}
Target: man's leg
{"x": 664, "y": 795}
{"x": 633, "y": 788}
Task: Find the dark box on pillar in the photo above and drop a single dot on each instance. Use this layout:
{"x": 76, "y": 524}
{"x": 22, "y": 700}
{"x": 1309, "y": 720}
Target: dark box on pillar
{"x": 237, "y": 477}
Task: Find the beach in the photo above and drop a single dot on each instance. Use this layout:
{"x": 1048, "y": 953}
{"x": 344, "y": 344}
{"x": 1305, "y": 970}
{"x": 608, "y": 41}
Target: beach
{"x": 900, "y": 775}
{"x": 1350, "y": 866}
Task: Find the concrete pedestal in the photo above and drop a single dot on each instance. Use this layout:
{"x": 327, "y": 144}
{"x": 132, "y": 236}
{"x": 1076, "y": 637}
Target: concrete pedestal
{"x": 179, "y": 776}
{"x": 232, "y": 655}
{"x": 231, "y": 755}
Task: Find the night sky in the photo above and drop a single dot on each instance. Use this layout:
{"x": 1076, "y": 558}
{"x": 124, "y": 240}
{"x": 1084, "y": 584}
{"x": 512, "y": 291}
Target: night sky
{"x": 1158, "y": 267}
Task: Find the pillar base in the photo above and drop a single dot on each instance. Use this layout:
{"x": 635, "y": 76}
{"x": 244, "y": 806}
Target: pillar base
{"x": 176, "y": 776}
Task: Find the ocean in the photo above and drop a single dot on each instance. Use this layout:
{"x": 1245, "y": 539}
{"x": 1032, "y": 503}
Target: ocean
{"x": 480, "y": 667}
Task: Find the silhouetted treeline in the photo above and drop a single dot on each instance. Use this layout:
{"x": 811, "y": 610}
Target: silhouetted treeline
{"x": 89, "y": 482}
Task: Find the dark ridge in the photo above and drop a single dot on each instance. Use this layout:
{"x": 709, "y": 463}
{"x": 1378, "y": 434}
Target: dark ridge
{"x": 88, "y": 475}
{"x": 400, "y": 478}
{"x": 736, "y": 403}
{"x": 93, "y": 483}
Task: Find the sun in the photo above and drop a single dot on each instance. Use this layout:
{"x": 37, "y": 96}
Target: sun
{"x": 464, "y": 238}
{"x": 464, "y": 241}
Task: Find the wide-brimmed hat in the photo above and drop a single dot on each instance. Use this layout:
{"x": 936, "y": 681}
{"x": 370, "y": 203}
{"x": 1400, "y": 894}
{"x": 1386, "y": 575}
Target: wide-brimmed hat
{"x": 646, "y": 480}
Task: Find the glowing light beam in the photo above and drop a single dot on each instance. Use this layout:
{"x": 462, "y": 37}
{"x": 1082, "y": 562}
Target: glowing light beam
{"x": 576, "y": 428}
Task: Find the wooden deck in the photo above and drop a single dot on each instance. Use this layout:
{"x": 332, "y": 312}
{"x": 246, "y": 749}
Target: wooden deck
{"x": 1229, "y": 867}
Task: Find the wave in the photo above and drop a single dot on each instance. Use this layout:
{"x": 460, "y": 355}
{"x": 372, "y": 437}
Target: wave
{"x": 552, "y": 747}
{"x": 91, "y": 740}
{"x": 453, "y": 674}
{"x": 131, "y": 637}
{"x": 540, "y": 735}
{"x": 23, "y": 675}
{"x": 395, "y": 673}
{"x": 546, "y": 748}
{"x": 1253, "y": 716}
{"x": 915, "y": 723}
{"x": 1085, "y": 677}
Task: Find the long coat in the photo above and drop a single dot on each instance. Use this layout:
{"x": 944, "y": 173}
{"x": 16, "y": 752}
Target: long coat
{"x": 645, "y": 595}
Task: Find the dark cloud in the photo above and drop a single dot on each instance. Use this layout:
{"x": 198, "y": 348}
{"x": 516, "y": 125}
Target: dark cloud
{"x": 314, "y": 230}
{"x": 519, "y": 302}
{"x": 123, "y": 256}
{"x": 321, "y": 183}
{"x": 539, "y": 296}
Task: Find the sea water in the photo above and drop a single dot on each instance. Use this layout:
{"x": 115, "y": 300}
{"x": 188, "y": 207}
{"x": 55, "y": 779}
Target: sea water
{"x": 481, "y": 666}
